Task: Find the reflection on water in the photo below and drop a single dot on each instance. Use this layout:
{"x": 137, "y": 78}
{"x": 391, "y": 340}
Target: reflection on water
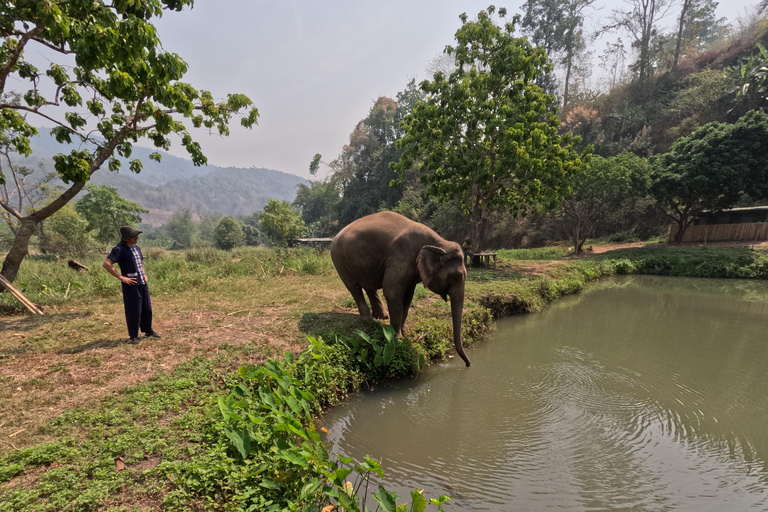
{"x": 644, "y": 393}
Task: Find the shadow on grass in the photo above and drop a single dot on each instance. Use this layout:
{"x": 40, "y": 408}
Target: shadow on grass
{"x": 18, "y": 323}
{"x": 92, "y": 345}
{"x": 342, "y": 322}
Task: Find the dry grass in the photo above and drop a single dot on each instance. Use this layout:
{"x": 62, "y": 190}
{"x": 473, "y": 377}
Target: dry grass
{"x": 76, "y": 354}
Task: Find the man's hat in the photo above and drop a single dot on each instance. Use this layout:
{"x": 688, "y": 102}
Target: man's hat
{"x": 127, "y": 232}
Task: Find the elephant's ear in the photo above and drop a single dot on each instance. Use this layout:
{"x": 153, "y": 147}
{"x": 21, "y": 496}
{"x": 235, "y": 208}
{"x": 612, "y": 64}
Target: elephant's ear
{"x": 429, "y": 262}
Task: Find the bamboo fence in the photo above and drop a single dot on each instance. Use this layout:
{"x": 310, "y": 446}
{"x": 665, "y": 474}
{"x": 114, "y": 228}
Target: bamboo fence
{"x": 747, "y": 232}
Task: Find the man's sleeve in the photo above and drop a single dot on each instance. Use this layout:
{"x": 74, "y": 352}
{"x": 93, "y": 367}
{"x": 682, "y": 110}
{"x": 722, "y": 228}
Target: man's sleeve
{"x": 115, "y": 254}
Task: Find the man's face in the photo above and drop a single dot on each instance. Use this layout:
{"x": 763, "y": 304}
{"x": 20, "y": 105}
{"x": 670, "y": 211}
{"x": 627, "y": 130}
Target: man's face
{"x": 133, "y": 240}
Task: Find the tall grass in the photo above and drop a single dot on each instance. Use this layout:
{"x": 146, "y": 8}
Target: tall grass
{"x": 48, "y": 281}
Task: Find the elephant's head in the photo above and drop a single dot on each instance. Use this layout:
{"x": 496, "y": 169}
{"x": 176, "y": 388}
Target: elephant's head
{"x": 442, "y": 271}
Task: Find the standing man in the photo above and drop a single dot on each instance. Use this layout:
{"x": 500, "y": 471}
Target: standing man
{"x": 138, "y": 308}
{"x": 466, "y": 248}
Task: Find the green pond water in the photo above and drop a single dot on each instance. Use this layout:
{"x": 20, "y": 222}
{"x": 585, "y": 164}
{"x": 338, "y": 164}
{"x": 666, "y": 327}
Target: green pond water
{"x": 642, "y": 393}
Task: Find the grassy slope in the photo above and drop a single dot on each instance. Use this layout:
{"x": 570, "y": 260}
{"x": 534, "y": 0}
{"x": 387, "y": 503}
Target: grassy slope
{"x": 88, "y": 423}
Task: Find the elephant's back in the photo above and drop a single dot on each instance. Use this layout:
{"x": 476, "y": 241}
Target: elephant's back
{"x": 364, "y": 246}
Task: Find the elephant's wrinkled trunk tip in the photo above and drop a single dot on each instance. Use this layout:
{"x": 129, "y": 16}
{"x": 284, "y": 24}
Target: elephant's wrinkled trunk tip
{"x": 457, "y": 310}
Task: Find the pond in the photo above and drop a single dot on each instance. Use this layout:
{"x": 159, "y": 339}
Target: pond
{"x": 641, "y": 393}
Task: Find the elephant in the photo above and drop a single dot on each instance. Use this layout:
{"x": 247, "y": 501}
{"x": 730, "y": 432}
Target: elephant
{"x": 388, "y": 251}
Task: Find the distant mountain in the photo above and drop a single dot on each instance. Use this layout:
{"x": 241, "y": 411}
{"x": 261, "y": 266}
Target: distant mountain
{"x": 176, "y": 183}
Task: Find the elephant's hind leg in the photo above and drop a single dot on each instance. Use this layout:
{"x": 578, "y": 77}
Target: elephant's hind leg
{"x": 357, "y": 294}
{"x": 377, "y": 307}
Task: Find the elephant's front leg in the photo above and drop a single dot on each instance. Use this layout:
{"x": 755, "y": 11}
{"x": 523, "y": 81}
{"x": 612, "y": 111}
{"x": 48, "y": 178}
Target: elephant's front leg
{"x": 395, "y": 304}
{"x": 407, "y": 299}
{"x": 377, "y": 308}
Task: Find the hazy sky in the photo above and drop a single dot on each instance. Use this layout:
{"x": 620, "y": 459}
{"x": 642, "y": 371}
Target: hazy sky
{"x": 315, "y": 68}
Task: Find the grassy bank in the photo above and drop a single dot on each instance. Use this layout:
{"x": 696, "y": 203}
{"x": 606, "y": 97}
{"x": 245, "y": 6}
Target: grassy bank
{"x": 89, "y": 423}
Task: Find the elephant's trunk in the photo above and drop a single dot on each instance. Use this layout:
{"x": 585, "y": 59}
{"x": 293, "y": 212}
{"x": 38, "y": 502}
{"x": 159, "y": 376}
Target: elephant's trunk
{"x": 457, "y": 310}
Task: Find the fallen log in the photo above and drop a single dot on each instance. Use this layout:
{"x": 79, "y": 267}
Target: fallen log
{"x": 76, "y": 265}
{"x": 20, "y": 297}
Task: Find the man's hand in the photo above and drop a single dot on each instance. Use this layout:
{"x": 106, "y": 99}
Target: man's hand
{"x": 109, "y": 266}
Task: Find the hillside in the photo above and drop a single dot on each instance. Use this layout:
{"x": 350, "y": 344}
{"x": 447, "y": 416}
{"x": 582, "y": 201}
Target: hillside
{"x": 175, "y": 183}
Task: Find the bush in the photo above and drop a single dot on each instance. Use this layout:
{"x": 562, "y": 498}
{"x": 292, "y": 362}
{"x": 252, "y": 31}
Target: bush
{"x": 228, "y": 234}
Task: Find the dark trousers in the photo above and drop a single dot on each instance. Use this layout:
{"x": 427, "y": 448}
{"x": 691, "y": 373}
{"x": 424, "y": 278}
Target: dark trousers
{"x": 138, "y": 309}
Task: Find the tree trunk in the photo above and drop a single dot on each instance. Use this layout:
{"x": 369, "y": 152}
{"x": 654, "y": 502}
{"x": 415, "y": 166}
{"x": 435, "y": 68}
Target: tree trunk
{"x": 18, "y": 250}
{"x": 682, "y": 226}
{"x": 678, "y": 45}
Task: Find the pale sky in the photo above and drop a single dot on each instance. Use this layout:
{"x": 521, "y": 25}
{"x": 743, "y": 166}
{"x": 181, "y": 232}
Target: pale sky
{"x": 315, "y": 68}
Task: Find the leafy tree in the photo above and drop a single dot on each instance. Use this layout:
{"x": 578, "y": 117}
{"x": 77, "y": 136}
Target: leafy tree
{"x": 206, "y": 229}
{"x": 67, "y": 233}
{"x": 318, "y": 203}
{"x": 252, "y": 235}
{"x": 181, "y": 228}
{"x": 486, "y": 134}
{"x": 558, "y": 25}
{"x": 106, "y": 212}
{"x": 365, "y": 174}
{"x": 108, "y": 83}
{"x": 599, "y": 189}
{"x": 281, "y": 222}
{"x": 712, "y": 168}
{"x": 228, "y": 234}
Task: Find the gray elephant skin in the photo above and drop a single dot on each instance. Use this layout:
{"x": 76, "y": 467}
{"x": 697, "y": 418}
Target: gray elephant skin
{"x": 391, "y": 252}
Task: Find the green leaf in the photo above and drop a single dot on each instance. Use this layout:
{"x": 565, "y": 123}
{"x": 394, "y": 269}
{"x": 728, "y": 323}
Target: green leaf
{"x": 418, "y": 502}
{"x": 385, "y": 499}
{"x": 310, "y": 487}
{"x": 421, "y": 361}
{"x": 389, "y": 352}
{"x": 440, "y": 500}
{"x": 295, "y": 458}
{"x": 241, "y": 440}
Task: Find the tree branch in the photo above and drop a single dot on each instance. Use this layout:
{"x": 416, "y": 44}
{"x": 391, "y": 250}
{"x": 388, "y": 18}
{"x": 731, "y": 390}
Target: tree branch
{"x": 16, "y": 54}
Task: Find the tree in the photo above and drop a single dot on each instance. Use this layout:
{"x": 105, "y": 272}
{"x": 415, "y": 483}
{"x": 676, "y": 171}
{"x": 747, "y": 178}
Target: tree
{"x": 598, "y": 189}
{"x": 228, "y": 234}
{"x": 318, "y": 203}
{"x": 108, "y": 83}
{"x": 558, "y": 26}
{"x": 365, "y": 161}
{"x": 486, "y": 134}
{"x": 712, "y": 169}
{"x": 106, "y": 212}
{"x": 281, "y": 222}
{"x": 181, "y": 228}
{"x": 640, "y": 22}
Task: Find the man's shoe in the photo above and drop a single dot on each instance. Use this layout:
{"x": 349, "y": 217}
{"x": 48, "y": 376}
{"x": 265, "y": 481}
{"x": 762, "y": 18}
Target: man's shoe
{"x": 133, "y": 341}
{"x": 152, "y": 334}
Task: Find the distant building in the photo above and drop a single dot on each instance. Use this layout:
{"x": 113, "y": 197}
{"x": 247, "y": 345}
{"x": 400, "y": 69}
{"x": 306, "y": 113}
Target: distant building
{"x": 736, "y": 224}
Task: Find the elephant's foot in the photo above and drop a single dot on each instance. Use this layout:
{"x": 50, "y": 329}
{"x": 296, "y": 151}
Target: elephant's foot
{"x": 380, "y": 316}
